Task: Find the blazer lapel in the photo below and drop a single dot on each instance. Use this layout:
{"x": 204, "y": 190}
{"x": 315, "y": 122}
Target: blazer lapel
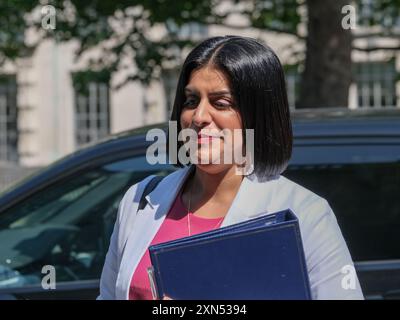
{"x": 253, "y": 199}
{"x": 146, "y": 224}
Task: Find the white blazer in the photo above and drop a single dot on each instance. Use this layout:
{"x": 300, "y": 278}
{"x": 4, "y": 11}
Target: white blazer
{"x": 329, "y": 264}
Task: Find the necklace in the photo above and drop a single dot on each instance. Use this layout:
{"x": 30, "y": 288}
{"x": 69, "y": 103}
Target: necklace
{"x": 188, "y": 215}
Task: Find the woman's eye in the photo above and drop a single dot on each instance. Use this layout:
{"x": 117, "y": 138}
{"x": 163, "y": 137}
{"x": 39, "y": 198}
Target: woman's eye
{"x": 190, "y": 103}
{"x": 221, "y": 105}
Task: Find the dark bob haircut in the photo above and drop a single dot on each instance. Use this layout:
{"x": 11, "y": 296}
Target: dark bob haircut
{"x": 257, "y": 83}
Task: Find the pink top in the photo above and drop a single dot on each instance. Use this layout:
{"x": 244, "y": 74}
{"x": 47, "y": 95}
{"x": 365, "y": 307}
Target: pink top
{"x": 175, "y": 225}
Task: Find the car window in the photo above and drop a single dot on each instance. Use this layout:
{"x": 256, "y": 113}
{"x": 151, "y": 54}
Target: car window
{"x": 67, "y": 225}
{"x": 362, "y": 185}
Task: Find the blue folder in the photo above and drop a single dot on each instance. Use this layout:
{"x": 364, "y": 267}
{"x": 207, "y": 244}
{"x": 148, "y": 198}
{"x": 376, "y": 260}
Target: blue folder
{"x": 258, "y": 259}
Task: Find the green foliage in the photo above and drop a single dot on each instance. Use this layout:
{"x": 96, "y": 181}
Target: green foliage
{"x": 98, "y": 23}
{"x": 83, "y": 78}
{"x": 279, "y": 15}
{"x": 12, "y": 28}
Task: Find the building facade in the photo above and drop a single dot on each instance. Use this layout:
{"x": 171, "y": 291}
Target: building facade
{"x": 46, "y": 113}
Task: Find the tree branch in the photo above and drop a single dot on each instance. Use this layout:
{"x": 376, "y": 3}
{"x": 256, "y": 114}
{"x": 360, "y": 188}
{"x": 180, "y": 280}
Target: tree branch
{"x": 375, "y": 48}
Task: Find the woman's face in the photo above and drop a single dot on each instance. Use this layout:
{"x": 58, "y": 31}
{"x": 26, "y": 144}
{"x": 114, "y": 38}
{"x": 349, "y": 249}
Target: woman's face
{"x": 208, "y": 109}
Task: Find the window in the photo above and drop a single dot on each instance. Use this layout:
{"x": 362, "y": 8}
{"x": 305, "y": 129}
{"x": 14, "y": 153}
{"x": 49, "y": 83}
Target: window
{"x": 376, "y": 84}
{"x": 92, "y": 107}
{"x": 362, "y": 187}
{"x": 375, "y": 81}
{"x": 67, "y": 225}
{"x": 292, "y": 76}
{"x": 8, "y": 119}
{"x": 193, "y": 30}
{"x": 381, "y": 13}
{"x": 190, "y": 30}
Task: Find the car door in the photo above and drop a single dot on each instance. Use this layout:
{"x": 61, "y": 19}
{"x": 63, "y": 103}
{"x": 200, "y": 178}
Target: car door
{"x": 361, "y": 181}
{"x": 53, "y": 244}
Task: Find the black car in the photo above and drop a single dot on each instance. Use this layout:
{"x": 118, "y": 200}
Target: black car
{"x": 63, "y": 216}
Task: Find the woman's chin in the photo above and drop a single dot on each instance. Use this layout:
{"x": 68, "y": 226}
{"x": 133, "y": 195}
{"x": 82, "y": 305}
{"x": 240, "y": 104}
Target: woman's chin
{"x": 210, "y": 168}
{"x": 206, "y": 157}
{"x": 213, "y": 168}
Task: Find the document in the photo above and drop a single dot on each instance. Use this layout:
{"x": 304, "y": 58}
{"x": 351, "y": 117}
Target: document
{"x": 258, "y": 259}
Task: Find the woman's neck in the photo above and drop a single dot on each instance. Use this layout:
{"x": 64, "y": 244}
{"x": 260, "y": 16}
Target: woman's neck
{"x": 220, "y": 188}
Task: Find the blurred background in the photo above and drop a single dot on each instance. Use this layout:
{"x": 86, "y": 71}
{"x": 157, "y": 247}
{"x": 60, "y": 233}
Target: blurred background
{"x": 73, "y": 71}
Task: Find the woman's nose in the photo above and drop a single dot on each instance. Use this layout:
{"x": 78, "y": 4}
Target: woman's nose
{"x": 201, "y": 115}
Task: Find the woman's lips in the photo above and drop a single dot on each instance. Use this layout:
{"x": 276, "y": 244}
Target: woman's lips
{"x": 206, "y": 139}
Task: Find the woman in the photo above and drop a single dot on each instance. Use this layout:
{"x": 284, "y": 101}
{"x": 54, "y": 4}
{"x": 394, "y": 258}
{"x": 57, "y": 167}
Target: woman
{"x": 227, "y": 83}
